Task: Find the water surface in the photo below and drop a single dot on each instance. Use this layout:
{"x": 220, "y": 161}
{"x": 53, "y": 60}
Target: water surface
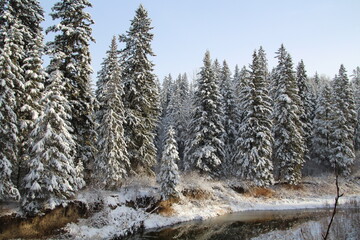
{"x": 259, "y": 225}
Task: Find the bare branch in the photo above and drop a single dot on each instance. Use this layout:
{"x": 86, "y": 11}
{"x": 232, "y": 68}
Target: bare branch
{"x": 338, "y": 195}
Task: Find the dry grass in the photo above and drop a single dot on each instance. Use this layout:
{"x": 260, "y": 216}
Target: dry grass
{"x": 165, "y": 207}
{"x": 13, "y": 227}
{"x": 260, "y": 192}
{"x": 297, "y": 187}
{"x": 196, "y": 194}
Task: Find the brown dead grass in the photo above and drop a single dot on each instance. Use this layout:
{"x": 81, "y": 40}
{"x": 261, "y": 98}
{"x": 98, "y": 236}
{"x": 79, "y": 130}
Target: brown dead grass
{"x": 260, "y": 192}
{"x": 294, "y": 187}
{"x": 196, "y": 194}
{"x": 165, "y": 207}
{"x": 13, "y": 227}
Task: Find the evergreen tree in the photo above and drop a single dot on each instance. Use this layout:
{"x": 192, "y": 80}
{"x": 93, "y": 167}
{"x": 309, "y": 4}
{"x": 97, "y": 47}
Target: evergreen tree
{"x": 356, "y": 87}
{"x": 263, "y": 65}
{"x": 52, "y": 176}
{"x": 107, "y": 67}
{"x": 11, "y": 82}
{"x": 230, "y": 113}
{"x": 343, "y": 124}
{"x": 254, "y": 145}
{"x": 166, "y": 95}
{"x": 288, "y": 133}
{"x": 241, "y": 90}
{"x": 29, "y": 15}
{"x": 320, "y": 147}
{"x": 217, "y": 71}
{"x": 111, "y": 162}
{"x": 71, "y": 43}
{"x": 180, "y": 105}
{"x": 240, "y": 80}
{"x": 141, "y": 98}
{"x": 317, "y": 84}
{"x": 205, "y": 147}
{"x": 169, "y": 175}
{"x": 3, "y": 10}
{"x": 308, "y": 107}
{"x": 236, "y": 79}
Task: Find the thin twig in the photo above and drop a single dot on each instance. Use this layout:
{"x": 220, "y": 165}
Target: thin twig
{"x": 338, "y": 195}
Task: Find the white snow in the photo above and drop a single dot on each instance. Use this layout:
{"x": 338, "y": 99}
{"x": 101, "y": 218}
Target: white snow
{"x": 118, "y": 218}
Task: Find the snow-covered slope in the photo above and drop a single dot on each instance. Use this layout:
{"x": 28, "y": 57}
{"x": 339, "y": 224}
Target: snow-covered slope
{"x": 137, "y": 204}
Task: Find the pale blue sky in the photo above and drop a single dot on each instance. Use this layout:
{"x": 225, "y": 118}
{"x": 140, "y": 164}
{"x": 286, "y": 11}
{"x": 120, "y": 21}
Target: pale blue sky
{"x": 324, "y": 33}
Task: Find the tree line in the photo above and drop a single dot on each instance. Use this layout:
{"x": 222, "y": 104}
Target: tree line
{"x": 57, "y": 135}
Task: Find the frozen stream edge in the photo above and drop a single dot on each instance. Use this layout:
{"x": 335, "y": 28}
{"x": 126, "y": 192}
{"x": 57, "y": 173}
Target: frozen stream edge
{"x": 116, "y": 219}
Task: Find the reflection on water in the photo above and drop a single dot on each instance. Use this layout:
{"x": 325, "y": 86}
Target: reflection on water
{"x": 261, "y": 225}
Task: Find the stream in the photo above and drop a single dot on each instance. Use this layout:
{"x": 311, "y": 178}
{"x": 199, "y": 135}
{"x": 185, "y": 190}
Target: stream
{"x": 264, "y": 225}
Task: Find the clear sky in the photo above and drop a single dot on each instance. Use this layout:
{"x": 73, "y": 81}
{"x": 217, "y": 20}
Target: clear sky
{"x": 324, "y": 33}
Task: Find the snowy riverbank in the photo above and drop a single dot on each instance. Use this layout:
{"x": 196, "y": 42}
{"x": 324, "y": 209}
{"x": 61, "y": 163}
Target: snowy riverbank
{"x": 137, "y": 204}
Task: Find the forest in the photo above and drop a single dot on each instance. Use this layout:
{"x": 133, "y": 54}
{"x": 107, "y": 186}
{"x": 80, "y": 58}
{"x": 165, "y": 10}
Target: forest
{"x": 58, "y": 135}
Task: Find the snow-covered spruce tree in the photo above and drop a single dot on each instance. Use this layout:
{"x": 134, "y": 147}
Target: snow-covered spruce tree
{"x": 230, "y": 118}
{"x": 239, "y": 81}
{"x": 320, "y": 146}
{"x": 141, "y": 98}
{"x": 308, "y": 107}
{"x": 52, "y": 176}
{"x": 111, "y": 162}
{"x": 180, "y": 105}
{"x": 165, "y": 93}
{"x": 242, "y": 84}
{"x": 254, "y": 144}
{"x": 343, "y": 124}
{"x": 11, "y": 81}
{"x": 169, "y": 174}
{"x": 3, "y": 10}
{"x": 235, "y": 78}
{"x": 217, "y": 71}
{"x": 104, "y": 74}
{"x": 107, "y": 66}
{"x": 71, "y": 41}
{"x": 356, "y": 87}
{"x": 289, "y": 145}
{"x": 29, "y": 15}
{"x": 205, "y": 147}
{"x": 165, "y": 119}
{"x": 263, "y": 65}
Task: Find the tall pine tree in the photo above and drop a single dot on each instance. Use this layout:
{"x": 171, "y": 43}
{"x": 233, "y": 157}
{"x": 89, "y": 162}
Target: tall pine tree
{"x": 71, "y": 43}
{"x": 141, "y": 98}
{"x": 205, "y": 148}
{"x": 29, "y": 15}
{"x": 53, "y": 176}
{"x": 242, "y": 82}
{"x": 230, "y": 118}
{"x": 343, "y": 123}
{"x": 320, "y": 146}
{"x": 289, "y": 145}
{"x": 169, "y": 174}
{"x": 178, "y": 113}
{"x": 166, "y": 115}
{"x": 182, "y": 106}
{"x": 111, "y": 162}
{"x": 308, "y": 107}
{"x": 11, "y": 83}
{"x": 254, "y": 144}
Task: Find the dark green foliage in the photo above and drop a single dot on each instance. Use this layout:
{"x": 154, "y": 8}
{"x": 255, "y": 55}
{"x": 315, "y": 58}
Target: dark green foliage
{"x": 205, "y": 147}
{"x": 141, "y": 97}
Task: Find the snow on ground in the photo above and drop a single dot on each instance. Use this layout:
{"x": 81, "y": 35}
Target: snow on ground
{"x": 129, "y": 209}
